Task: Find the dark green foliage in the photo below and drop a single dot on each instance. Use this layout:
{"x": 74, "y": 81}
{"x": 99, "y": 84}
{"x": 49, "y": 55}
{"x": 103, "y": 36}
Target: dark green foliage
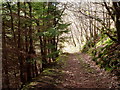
{"x": 32, "y": 33}
{"x": 89, "y": 44}
{"x": 105, "y": 53}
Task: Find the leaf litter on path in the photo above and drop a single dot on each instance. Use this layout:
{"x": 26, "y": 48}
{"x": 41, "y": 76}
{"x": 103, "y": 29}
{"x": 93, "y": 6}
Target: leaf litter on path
{"x": 79, "y": 71}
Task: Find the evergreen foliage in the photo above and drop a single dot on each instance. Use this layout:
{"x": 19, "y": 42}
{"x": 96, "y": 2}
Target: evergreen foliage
{"x": 27, "y": 27}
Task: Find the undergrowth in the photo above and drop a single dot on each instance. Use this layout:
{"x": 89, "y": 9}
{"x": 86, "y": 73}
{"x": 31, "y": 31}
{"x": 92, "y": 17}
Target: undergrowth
{"x": 50, "y": 76}
{"x": 105, "y": 53}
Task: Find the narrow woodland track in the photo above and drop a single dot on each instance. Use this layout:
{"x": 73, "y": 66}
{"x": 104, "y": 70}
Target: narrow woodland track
{"x": 78, "y": 72}
{"x": 82, "y": 72}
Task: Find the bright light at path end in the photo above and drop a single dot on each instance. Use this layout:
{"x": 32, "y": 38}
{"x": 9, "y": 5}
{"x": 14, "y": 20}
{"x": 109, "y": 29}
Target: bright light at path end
{"x": 70, "y": 48}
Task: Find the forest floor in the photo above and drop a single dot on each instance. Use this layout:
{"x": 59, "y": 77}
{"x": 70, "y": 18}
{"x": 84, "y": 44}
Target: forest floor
{"x": 78, "y": 71}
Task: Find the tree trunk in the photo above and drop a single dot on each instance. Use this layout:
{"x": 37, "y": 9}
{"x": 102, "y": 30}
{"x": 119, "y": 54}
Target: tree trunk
{"x": 117, "y": 23}
{"x": 20, "y": 59}
{"x": 36, "y": 70}
{"x": 12, "y": 24}
{"x": 6, "y": 82}
{"x": 117, "y": 19}
{"x": 26, "y": 44}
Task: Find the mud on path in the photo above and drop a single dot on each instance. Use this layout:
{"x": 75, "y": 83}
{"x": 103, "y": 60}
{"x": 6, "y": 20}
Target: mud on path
{"x": 78, "y": 71}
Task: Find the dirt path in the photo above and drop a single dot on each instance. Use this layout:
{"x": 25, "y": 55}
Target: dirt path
{"x": 79, "y": 71}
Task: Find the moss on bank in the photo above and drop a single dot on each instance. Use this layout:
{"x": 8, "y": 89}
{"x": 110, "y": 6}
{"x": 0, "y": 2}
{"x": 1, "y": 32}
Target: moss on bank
{"x": 105, "y": 53}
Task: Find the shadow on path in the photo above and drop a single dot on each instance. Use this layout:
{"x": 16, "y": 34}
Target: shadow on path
{"x": 74, "y": 71}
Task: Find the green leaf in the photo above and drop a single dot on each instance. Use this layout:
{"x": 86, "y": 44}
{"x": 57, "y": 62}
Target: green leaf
{"x": 40, "y": 34}
{"x": 53, "y": 54}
